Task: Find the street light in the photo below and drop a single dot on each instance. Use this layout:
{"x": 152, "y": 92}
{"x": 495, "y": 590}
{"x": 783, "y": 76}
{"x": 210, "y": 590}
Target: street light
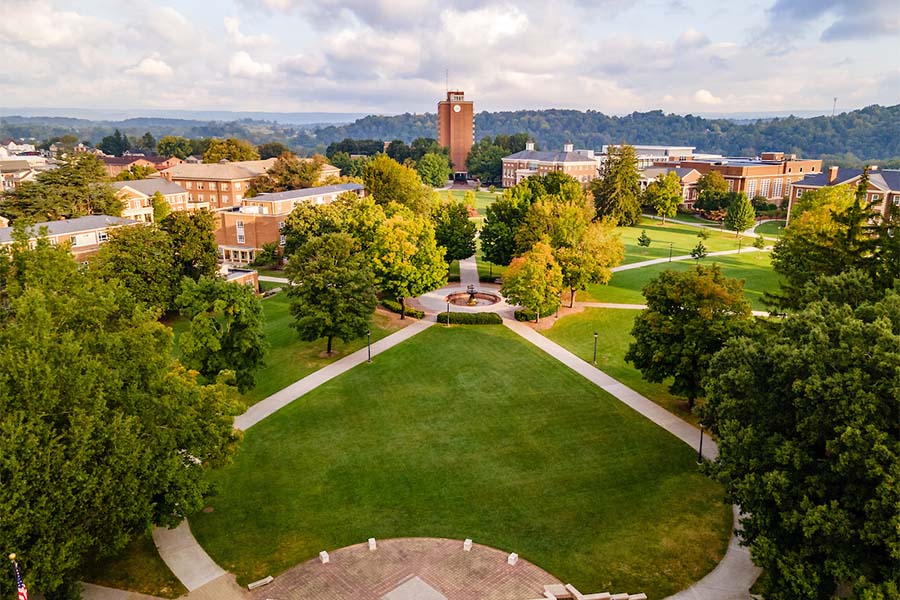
{"x": 369, "y": 343}
{"x": 670, "y": 251}
{"x": 740, "y": 242}
{"x": 700, "y": 448}
{"x": 595, "y": 347}
{"x": 448, "y": 313}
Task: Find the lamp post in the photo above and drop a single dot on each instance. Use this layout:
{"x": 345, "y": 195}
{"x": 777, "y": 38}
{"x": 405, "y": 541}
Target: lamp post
{"x": 369, "y": 343}
{"x": 740, "y": 242}
{"x": 700, "y": 448}
{"x": 670, "y": 251}
{"x": 448, "y": 314}
{"x": 595, "y": 347}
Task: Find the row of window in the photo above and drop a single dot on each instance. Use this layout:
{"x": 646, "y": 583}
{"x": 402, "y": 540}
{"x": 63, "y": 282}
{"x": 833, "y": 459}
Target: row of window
{"x": 201, "y": 185}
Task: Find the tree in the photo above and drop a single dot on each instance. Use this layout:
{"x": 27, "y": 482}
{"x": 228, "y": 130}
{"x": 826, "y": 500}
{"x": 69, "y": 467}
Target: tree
{"x": 289, "y": 173}
{"x": 485, "y": 161}
{"x": 135, "y": 172}
{"x": 699, "y": 251}
{"x": 805, "y": 419}
{"x": 618, "y": 189}
{"x": 196, "y": 253}
{"x": 359, "y": 217}
{"x": 76, "y": 188}
{"x": 759, "y": 242}
{"x": 406, "y": 258}
{"x": 142, "y": 258}
{"x": 711, "y": 184}
{"x": 502, "y": 221}
{"x": 147, "y": 143}
{"x": 333, "y": 293}
{"x": 173, "y": 145}
{"x": 534, "y": 280}
{"x": 104, "y": 433}
{"x": 664, "y": 195}
{"x": 591, "y": 259}
{"x": 231, "y": 149}
{"x": 350, "y": 167}
{"x": 227, "y": 329}
{"x": 689, "y": 317}
{"x": 740, "y": 216}
{"x": 389, "y": 181}
{"x": 272, "y": 150}
{"x": 434, "y": 169}
{"x": 267, "y": 256}
{"x": 454, "y": 230}
{"x": 644, "y": 240}
{"x": 161, "y": 207}
{"x": 115, "y": 144}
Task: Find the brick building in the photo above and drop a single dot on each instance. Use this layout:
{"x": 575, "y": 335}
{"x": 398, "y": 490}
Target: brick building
{"x": 456, "y": 129}
{"x": 883, "y": 190}
{"x": 242, "y": 230}
{"x": 116, "y": 164}
{"x": 138, "y": 197}
{"x": 85, "y": 234}
{"x": 687, "y": 177}
{"x": 221, "y": 185}
{"x": 581, "y": 165}
{"x": 770, "y": 175}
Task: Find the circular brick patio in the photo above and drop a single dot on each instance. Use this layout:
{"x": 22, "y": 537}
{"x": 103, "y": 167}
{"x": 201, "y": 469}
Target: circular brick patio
{"x": 358, "y": 573}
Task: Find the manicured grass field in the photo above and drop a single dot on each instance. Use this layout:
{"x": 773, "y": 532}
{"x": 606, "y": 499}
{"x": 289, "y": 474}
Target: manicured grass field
{"x": 613, "y": 327}
{"x": 755, "y": 268}
{"x": 486, "y": 269}
{"x": 683, "y": 238}
{"x": 771, "y": 228}
{"x": 138, "y": 569}
{"x": 289, "y": 358}
{"x": 470, "y": 432}
{"x": 482, "y": 199}
{"x": 691, "y": 218}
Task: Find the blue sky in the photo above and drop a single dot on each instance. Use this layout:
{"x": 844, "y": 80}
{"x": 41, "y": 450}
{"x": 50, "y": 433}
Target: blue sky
{"x": 390, "y": 56}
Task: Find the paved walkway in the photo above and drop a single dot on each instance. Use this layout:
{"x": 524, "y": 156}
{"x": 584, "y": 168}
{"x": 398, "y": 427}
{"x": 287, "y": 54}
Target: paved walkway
{"x": 717, "y": 227}
{"x": 665, "y": 259}
{"x": 756, "y": 313}
{"x": 357, "y": 573}
{"x": 468, "y": 271}
{"x": 92, "y": 591}
{"x": 271, "y": 279}
{"x": 733, "y": 576}
{"x": 188, "y": 561}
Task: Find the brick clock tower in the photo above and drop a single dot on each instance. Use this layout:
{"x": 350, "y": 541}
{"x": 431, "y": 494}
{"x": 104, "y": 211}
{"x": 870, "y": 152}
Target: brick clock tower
{"x": 456, "y": 130}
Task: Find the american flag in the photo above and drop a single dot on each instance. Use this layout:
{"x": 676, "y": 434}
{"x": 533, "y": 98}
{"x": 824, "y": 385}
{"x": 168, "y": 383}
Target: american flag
{"x": 20, "y": 585}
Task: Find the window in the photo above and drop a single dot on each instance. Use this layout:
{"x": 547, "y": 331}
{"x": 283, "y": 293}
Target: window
{"x": 776, "y": 193}
{"x": 799, "y": 193}
{"x": 212, "y": 197}
{"x": 751, "y": 187}
{"x": 212, "y": 185}
{"x": 731, "y": 185}
{"x": 876, "y": 197}
{"x": 280, "y": 225}
{"x": 102, "y": 236}
{"x": 199, "y": 197}
{"x": 764, "y": 188}
{"x": 74, "y": 240}
{"x": 223, "y": 197}
{"x": 223, "y": 187}
{"x": 240, "y": 237}
{"x": 190, "y": 185}
{"x": 237, "y": 185}
{"x": 239, "y": 225}
{"x": 281, "y": 240}
{"x": 200, "y": 185}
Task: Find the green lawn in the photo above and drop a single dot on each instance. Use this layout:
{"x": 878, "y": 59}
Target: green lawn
{"x": 482, "y": 199}
{"x": 771, "y": 228}
{"x": 691, "y": 218}
{"x": 270, "y": 285}
{"x": 289, "y": 358}
{"x": 470, "y": 432}
{"x": 613, "y": 326}
{"x": 683, "y": 238}
{"x": 486, "y": 269}
{"x": 755, "y": 268}
{"x": 138, "y": 569}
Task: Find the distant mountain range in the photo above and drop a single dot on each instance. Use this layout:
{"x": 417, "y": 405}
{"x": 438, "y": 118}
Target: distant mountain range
{"x": 110, "y": 115}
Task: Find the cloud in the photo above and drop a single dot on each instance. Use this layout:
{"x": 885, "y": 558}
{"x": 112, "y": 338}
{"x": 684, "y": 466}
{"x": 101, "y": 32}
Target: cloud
{"x": 242, "y": 65}
{"x": 848, "y": 19}
{"x": 39, "y": 25}
{"x": 706, "y": 97}
{"x": 233, "y": 28}
{"x": 691, "y": 38}
{"x": 151, "y": 67}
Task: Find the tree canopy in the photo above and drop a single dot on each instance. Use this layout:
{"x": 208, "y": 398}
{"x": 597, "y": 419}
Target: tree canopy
{"x": 272, "y": 150}
{"x": 617, "y": 191}
{"x": 230, "y": 149}
{"x": 434, "y": 169}
{"x": 289, "y": 173}
{"x": 590, "y": 259}
{"x": 454, "y": 230}
{"x": 196, "y": 253}
{"x": 664, "y": 195}
{"x": 103, "y": 433}
{"x": 174, "y": 145}
{"x": 485, "y": 160}
{"x": 389, "y": 181}
{"x": 740, "y": 216}
{"x": 534, "y": 280}
{"x": 115, "y": 144}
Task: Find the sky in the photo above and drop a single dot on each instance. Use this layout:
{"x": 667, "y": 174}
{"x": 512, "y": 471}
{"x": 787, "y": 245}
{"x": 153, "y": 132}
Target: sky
{"x": 394, "y": 56}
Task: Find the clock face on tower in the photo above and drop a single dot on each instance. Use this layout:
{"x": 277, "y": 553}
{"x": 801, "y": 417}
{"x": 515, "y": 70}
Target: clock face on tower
{"x": 456, "y": 108}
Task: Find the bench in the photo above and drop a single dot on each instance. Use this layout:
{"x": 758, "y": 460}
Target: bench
{"x": 579, "y": 596}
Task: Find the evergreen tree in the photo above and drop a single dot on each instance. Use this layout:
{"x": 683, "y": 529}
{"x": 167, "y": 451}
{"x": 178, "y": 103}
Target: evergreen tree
{"x": 699, "y": 251}
{"x": 618, "y": 189}
{"x": 740, "y": 216}
{"x": 644, "y": 239}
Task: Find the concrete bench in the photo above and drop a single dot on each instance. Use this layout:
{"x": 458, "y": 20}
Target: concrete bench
{"x": 622, "y": 596}
{"x": 556, "y": 590}
{"x": 579, "y": 596}
{"x": 641, "y": 596}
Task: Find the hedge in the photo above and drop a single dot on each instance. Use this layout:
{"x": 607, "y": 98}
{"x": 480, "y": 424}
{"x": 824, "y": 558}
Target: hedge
{"x": 394, "y": 306}
{"x": 526, "y": 314}
{"x": 471, "y": 318}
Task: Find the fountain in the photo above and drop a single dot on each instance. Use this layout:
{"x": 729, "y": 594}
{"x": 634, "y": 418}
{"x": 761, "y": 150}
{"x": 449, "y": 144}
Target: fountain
{"x": 472, "y": 297}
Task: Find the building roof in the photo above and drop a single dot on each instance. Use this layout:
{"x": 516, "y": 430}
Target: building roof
{"x": 14, "y": 165}
{"x": 65, "y": 226}
{"x": 653, "y": 172}
{"x": 244, "y": 169}
{"x": 123, "y": 160}
{"x": 308, "y": 192}
{"x": 557, "y": 157}
{"x": 888, "y": 179}
{"x": 150, "y": 186}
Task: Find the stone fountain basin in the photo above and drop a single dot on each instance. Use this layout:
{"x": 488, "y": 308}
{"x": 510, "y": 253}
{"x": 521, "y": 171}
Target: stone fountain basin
{"x": 480, "y": 299}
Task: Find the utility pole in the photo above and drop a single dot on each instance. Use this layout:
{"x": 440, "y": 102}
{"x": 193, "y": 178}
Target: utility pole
{"x": 833, "y": 107}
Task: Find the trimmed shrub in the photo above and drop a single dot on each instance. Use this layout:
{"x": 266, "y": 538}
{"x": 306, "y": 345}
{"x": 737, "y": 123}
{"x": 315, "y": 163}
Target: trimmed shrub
{"x": 394, "y": 307}
{"x": 526, "y": 314}
{"x": 467, "y": 318}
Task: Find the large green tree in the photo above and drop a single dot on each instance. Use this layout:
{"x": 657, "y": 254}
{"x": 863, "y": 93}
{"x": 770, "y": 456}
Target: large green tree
{"x": 226, "y": 332}
{"x": 534, "y": 280}
{"x": 272, "y": 150}
{"x": 740, "y": 216}
{"x": 173, "y": 145}
{"x": 102, "y": 433}
{"x": 434, "y": 169}
{"x": 454, "y": 230}
{"x": 289, "y": 173}
{"x": 230, "y": 149}
{"x": 142, "y": 258}
{"x": 406, "y": 257}
{"x": 194, "y": 245}
{"x": 76, "y": 188}
{"x": 806, "y": 420}
{"x": 617, "y": 191}
{"x": 664, "y": 195}
{"x": 359, "y": 217}
{"x": 591, "y": 258}
{"x": 711, "y": 186}
{"x": 389, "y": 181}
{"x": 689, "y": 317}
{"x": 333, "y": 295}
{"x": 116, "y": 144}
{"x": 502, "y": 221}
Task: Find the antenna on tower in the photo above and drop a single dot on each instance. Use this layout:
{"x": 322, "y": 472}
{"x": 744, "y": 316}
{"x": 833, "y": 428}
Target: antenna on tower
{"x": 833, "y": 107}
{"x": 447, "y": 79}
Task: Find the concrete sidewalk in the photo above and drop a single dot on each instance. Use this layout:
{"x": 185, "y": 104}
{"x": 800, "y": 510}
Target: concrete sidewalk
{"x": 188, "y": 561}
{"x": 271, "y": 279}
{"x": 468, "y": 271}
{"x": 756, "y": 313}
{"x": 665, "y": 259}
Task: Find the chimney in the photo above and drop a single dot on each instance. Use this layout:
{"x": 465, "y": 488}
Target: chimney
{"x": 529, "y": 146}
{"x": 568, "y": 147}
{"x": 832, "y": 174}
